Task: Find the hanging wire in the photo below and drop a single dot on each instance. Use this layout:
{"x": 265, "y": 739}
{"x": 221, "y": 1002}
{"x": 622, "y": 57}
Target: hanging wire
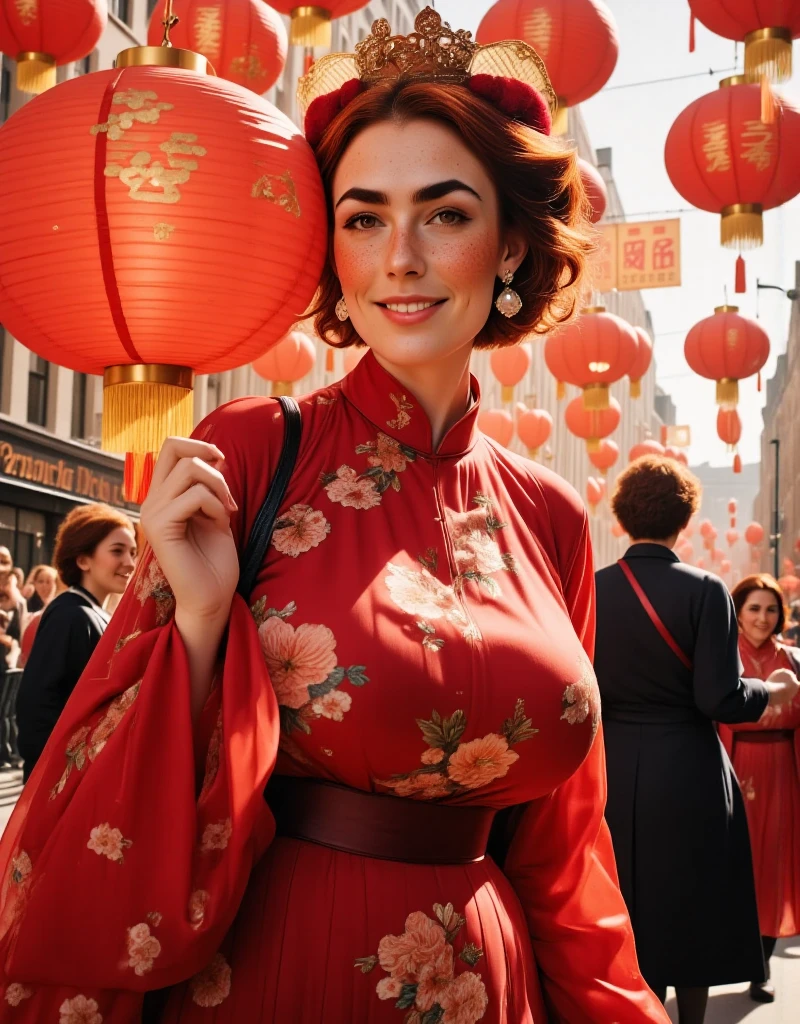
{"x": 673, "y": 78}
{"x": 649, "y": 213}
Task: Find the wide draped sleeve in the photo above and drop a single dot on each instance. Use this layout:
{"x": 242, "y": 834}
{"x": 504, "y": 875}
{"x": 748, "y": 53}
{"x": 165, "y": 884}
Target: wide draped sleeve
{"x": 560, "y": 859}
{"x": 126, "y": 858}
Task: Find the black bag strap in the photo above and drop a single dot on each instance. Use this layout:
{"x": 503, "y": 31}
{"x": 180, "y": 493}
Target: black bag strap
{"x": 261, "y": 534}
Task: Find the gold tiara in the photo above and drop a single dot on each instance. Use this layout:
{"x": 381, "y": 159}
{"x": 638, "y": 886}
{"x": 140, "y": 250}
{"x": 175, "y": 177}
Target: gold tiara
{"x": 432, "y": 52}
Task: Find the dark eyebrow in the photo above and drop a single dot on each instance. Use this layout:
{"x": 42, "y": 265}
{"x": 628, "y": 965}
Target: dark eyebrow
{"x": 424, "y": 195}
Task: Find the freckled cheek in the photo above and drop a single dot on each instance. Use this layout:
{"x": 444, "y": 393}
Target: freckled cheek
{"x": 356, "y": 265}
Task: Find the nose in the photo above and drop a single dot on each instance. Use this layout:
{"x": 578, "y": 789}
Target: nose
{"x": 404, "y": 257}
{"x": 128, "y": 561}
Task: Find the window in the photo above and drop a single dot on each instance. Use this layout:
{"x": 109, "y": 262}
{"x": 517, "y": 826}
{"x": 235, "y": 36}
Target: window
{"x": 83, "y": 67}
{"x": 79, "y": 405}
{"x": 120, "y": 9}
{"x": 37, "y": 390}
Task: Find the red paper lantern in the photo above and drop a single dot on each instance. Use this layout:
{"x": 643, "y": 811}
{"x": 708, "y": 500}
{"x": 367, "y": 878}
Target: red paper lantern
{"x": 510, "y": 365}
{"x": 672, "y": 452}
{"x": 148, "y": 262}
{"x": 723, "y": 159}
{"x": 754, "y": 534}
{"x": 245, "y": 41}
{"x": 726, "y": 347}
{"x": 497, "y": 424}
{"x": 766, "y": 27}
{"x": 789, "y": 584}
{"x": 724, "y": 566}
{"x": 605, "y": 456}
{"x": 700, "y": 563}
{"x": 287, "y": 362}
{"x": 534, "y": 427}
{"x": 595, "y": 188}
{"x": 594, "y": 493}
{"x": 40, "y": 35}
{"x": 617, "y": 530}
{"x": 592, "y": 353}
{"x": 733, "y": 505}
{"x": 577, "y": 40}
{"x": 729, "y": 427}
{"x": 648, "y": 447}
{"x": 732, "y": 536}
{"x": 592, "y": 424}
{"x": 717, "y": 556}
{"x": 311, "y": 24}
{"x": 706, "y": 527}
{"x": 641, "y": 364}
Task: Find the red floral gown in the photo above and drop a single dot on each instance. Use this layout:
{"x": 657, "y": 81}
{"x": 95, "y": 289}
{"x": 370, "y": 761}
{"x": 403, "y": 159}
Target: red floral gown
{"x": 422, "y": 626}
{"x": 769, "y": 776}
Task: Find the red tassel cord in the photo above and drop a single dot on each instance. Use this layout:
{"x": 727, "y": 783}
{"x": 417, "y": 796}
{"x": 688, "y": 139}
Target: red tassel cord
{"x": 737, "y": 463}
{"x": 741, "y": 282}
{"x": 691, "y": 32}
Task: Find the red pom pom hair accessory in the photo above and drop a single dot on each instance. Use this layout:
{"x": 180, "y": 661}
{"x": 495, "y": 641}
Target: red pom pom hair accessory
{"x": 324, "y": 109}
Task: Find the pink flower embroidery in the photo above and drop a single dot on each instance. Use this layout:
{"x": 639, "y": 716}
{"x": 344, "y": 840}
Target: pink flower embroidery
{"x": 388, "y": 455}
{"x": 421, "y": 943}
{"x": 152, "y": 583}
{"x": 475, "y": 549}
{"x": 433, "y": 755}
{"x": 434, "y": 979}
{"x": 197, "y": 907}
{"x": 296, "y": 658}
{"x": 332, "y": 705}
{"x": 108, "y": 724}
{"x": 21, "y": 867}
{"x": 389, "y": 988}
{"x": 352, "y": 491}
{"x": 403, "y": 407}
{"x": 300, "y": 529}
{"x": 428, "y": 786}
{"x": 420, "y": 593}
{"x": 106, "y": 841}
{"x": 213, "y": 756}
{"x": 464, "y": 1001}
{"x": 79, "y": 1010}
{"x": 216, "y": 836}
{"x": 212, "y": 985}
{"x": 480, "y": 761}
{"x": 16, "y": 993}
{"x": 143, "y": 948}
{"x": 582, "y": 699}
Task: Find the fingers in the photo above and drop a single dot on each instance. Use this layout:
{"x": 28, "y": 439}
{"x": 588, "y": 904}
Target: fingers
{"x": 196, "y": 500}
{"x": 190, "y": 471}
{"x": 176, "y": 448}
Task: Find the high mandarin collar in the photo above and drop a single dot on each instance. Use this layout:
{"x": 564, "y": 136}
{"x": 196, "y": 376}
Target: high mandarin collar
{"x": 769, "y": 648}
{"x": 395, "y": 411}
{"x": 643, "y": 550}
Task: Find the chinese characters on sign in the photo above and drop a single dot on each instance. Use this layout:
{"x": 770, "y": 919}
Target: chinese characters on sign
{"x": 641, "y": 255}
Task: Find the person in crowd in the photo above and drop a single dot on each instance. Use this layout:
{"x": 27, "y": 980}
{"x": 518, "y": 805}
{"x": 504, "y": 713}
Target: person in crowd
{"x": 43, "y": 581}
{"x": 6, "y": 560}
{"x": 766, "y": 759}
{"x": 95, "y": 555}
{"x": 412, "y": 656}
{"x": 667, "y": 664}
{"x": 12, "y": 609}
{"x": 791, "y": 633}
{"x": 12, "y": 601}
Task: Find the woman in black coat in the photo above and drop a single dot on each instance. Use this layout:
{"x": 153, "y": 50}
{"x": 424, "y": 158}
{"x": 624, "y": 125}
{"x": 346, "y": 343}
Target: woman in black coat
{"x": 667, "y": 663}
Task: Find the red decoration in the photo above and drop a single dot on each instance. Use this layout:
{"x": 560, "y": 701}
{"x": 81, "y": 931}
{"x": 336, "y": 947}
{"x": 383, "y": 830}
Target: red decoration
{"x": 245, "y": 41}
{"x": 706, "y": 527}
{"x": 789, "y": 584}
{"x": 700, "y": 563}
{"x": 740, "y": 285}
{"x": 497, "y": 424}
{"x": 754, "y": 534}
{"x": 648, "y": 447}
{"x": 733, "y": 505}
{"x": 287, "y": 362}
{"x": 605, "y": 456}
{"x": 732, "y": 537}
{"x": 44, "y": 34}
{"x": 677, "y": 454}
{"x": 726, "y": 347}
{"x": 594, "y": 493}
{"x": 311, "y": 24}
{"x": 510, "y": 365}
{"x": 592, "y": 424}
{"x": 592, "y": 353}
{"x": 325, "y": 108}
{"x": 722, "y": 158}
{"x": 641, "y": 364}
{"x": 577, "y": 40}
{"x": 534, "y": 427}
{"x": 729, "y": 427}
{"x": 617, "y": 530}
{"x": 516, "y": 99}
{"x": 766, "y": 27}
{"x": 724, "y": 566}
{"x": 595, "y": 187}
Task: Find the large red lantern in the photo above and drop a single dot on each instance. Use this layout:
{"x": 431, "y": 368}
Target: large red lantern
{"x": 287, "y": 362}
{"x": 592, "y": 425}
{"x": 723, "y": 159}
{"x": 497, "y": 424}
{"x": 766, "y": 27}
{"x": 729, "y": 430}
{"x": 648, "y": 447}
{"x": 592, "y": 353}
{"x": 244, "y": 40}
{"x": 731, "y": 536}
{"x": 754, "y": 534}
{"x": 534, "y": 427}
{"x": 40, "y": 35}
{"x": 148, "y": 263}
{"x": 726, "y": 347}
{"x": 595, "y": 492}
{"x": 510, "y": 365}
{"x": 311, "y": 23}
{"x": 595, "y": 188}
{"x": 577, "y": 40}
{"x": 605, "y": 456}
{"x": 641, "y": 365}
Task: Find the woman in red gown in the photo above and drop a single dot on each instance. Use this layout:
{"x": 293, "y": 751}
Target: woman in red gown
{"x": 413, "y": 662}
{"x": 766, "y": 758}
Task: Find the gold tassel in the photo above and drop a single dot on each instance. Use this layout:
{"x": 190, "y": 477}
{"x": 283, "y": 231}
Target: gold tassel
{"x": 281, "y": 388}
{"x": 595, "y": 397}
{"x": 768, "y": 51}
{"x": 742, "y": 226}
{"x": 145, "y": 403}
{"x": 508, "y": 393}
{"x": 727, "y": 392}
{"x": 533, "y": 453}
{"x": 592, "y": 445}
{"x": 138, "y": 476}
{"x": 636, "y": 389}
{"x": 769, "y": 103}
{"x": 561, "y": 390}
{"x": 36, "y": 72}
{"x": 560, "y": 119}
{"x": 311, "y": 26}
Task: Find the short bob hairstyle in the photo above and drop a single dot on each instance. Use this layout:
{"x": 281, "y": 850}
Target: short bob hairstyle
{"x": 760, "y": 581}
{"x": 80, "y": 533}
{"x": 655, "y": 497}
{"x": 539, "y": 188}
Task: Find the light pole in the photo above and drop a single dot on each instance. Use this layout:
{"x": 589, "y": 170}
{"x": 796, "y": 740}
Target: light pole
{"x": 776, "y": 515}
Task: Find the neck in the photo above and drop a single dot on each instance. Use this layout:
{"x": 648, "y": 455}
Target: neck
{"x": 441, "y": 388}
{"x": 98, "y": 593}
{"x": 668, "y": 543}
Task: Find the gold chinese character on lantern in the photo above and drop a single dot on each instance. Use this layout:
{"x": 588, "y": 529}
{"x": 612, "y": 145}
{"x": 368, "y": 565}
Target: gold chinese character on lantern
{"x": 716, "y": 146}
{"x": 756, "y": 144}
{"x": 143, "y": 108}
{"x": 247, "y": 66}
{"x": 538, "y": 30}
{"x": 149, "y": 181}
{"x": 279, "y": 189}
{"x": 27, "y": 10}
{"x": 208, "y": 32}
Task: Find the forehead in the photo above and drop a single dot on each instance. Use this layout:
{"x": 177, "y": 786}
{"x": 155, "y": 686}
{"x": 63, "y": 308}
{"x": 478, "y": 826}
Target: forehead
{"x": 400, "y": 157}
{"x": 120, "y": 535}
{"x": 762, "y": 596}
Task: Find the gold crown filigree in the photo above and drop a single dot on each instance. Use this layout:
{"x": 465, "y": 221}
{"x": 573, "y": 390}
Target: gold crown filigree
{"x": 433, "y": 50}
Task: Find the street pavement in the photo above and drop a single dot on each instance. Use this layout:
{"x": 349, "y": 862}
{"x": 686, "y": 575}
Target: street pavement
{"x": 729, "y": 1004}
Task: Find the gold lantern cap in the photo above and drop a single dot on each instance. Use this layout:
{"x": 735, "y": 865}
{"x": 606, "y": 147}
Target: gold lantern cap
{"x": 726, "y": 309}
{"x": 164, "y": 57}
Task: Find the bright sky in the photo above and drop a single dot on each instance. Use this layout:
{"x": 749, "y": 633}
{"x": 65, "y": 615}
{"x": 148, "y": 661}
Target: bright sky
{"x": 654, "y": 43}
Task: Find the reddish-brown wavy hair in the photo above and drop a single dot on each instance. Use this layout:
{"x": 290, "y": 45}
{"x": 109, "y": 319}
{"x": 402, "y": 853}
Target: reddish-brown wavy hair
{"x": 538, "y": 184}
{"x": 80, "y": 533}
{"x": 655, "y": 497}
{"x": 760, "y": 581}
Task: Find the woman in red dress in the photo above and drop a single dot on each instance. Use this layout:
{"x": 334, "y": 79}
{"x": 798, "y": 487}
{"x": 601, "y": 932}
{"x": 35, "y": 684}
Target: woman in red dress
{"x": 766, "y": 758}
{"x": 411, "y": 667}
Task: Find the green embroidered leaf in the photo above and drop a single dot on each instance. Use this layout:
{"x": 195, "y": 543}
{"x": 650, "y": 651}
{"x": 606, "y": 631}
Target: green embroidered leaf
{"x": 258, "y": 610}
{"x": 328, "y": 478}
{"x": 430, "y": 560}
{"x": 366, "y": 963}
{"x": 409, "y": 453}
{"x": 285, "y": 613}
{"x": 426, "y": 627}
{"x": 453, "y": 728}
{"x": 431, "y": 644}
{"x": 395, "y": 482}
{"x": 490, "y": 584}
{"x": 364, "y": 449}
{"x": 356, "y": 675}
{"x": 471, "y": 954}
{"x": 408, "y": 996}
{"x": 493, "y": 524}
{"x": 483, "y": 500}
{"x": 320, "y": 689}
{"x": 432, "y": 730}
{"x": 291, "y": 719}
{"x": 281, "y": 524}
{"x": 510, "y": 562}
{"x": 373, "y": 471}
{"x": 433, "y": 1016}
{"x": 519, "y": 727}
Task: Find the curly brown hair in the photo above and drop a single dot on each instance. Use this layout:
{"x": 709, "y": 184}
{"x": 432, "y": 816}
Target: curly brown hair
{"x": 655, "y": 497}
{"x": 539, "y": 188}
{"x": 80, "y": 533}
{"x": 760, "y": 581}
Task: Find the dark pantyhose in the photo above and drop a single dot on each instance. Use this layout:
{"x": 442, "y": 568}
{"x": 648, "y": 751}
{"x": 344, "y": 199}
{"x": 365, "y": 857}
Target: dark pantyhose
{"x": 691, "y": 1003}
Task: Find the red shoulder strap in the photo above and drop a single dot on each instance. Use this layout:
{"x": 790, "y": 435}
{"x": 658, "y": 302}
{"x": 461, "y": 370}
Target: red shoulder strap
{"x": 653, "y": 615}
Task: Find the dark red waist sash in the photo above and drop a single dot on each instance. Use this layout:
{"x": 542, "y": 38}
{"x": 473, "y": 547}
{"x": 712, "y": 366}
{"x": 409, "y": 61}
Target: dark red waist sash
{"x": 374, "y": 825}
{"x": 764, "y": 736}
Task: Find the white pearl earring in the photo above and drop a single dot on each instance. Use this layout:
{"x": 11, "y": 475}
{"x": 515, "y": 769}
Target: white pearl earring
{"x": 508, "y": 301}
{"x": 341, "y": 309}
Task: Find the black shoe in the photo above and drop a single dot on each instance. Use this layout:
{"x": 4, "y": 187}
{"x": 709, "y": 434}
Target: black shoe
{"x": 762, "y": 992}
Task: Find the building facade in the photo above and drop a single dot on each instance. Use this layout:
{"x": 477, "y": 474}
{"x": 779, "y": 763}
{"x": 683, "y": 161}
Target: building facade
{"x": 50, "y": 416}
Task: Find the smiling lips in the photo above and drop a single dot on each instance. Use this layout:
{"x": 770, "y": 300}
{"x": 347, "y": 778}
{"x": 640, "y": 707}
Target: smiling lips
{"x": 411, "y": 309}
